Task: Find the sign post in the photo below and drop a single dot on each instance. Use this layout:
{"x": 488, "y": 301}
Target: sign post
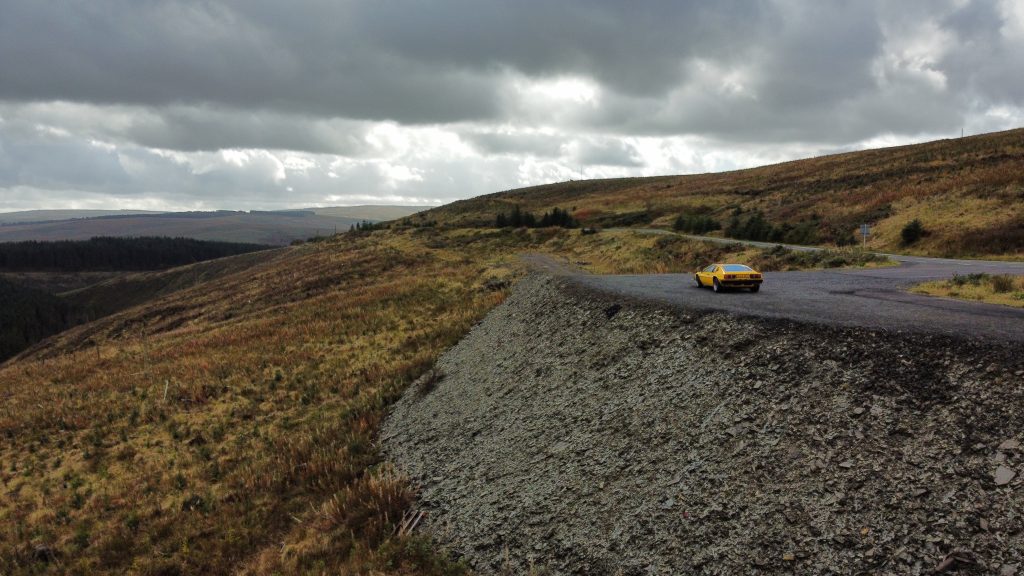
{"x": 864, "y": 231}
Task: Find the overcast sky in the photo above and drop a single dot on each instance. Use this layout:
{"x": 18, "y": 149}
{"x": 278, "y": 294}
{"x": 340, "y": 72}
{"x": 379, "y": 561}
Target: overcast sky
{"x": 271, "y": 104}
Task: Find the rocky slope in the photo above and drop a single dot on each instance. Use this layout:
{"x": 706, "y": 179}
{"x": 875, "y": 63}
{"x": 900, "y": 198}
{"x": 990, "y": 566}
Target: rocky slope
{"x": 572, "y": 432}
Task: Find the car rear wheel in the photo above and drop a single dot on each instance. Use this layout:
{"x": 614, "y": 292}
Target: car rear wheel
{"x": 755, "y": 288}
{"x": 717, "y": 286}
{"x": 697, "y": 280}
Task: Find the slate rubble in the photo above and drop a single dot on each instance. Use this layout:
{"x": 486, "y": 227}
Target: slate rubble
{"x": 657, "y": 441}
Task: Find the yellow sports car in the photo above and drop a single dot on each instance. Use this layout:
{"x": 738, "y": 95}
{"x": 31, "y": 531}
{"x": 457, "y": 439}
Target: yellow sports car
{"x": 722, "y": 276}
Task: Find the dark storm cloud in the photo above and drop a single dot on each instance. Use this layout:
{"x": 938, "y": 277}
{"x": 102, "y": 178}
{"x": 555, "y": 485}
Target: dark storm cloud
{"x": 433, "y": 62}
{"x": 295, "y": 57}
{"x": 406, "y": 61}
{"x": 633, "y": 48}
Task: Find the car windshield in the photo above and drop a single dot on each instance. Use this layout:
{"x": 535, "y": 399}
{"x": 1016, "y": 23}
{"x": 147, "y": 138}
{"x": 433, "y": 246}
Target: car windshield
{"x": 736, "y": 268}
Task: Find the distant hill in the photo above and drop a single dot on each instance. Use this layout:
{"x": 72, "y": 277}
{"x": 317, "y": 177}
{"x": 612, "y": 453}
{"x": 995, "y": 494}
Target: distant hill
{"x": 114, "y": 253}
{"x": 370, "y": 212}
{"x": 272, "y": 228}
{"x": 968, "y": 194}
{"x": 51, "y": 215}
{"x": 278, "y": 228}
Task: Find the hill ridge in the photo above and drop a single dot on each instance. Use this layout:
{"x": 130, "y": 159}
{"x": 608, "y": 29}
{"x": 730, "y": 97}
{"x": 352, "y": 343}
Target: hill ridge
{"x": 967, "y": 192}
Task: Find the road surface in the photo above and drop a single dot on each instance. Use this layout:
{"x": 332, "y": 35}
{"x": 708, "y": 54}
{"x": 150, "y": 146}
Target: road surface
{"x": 874, "y": 298}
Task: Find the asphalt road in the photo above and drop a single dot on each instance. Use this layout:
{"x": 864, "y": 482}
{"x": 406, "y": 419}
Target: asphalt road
{"x": 874, "y": 298}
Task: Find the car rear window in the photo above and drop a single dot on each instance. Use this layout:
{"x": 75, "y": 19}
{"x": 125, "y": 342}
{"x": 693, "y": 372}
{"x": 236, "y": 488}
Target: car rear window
{"x": 736, "y": 268}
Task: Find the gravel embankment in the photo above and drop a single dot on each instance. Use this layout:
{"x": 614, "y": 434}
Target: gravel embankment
{"x": 580, "y": 434}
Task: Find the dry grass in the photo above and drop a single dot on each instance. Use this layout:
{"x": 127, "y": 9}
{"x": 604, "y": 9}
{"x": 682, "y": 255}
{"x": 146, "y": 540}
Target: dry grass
{"x": 993, "y": 289}
{"x": 969, "y": 193}
{"x": 233, "y": 425}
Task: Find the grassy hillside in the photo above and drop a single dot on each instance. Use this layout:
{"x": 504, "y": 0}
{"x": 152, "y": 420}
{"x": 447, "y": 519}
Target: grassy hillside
{"x": 35, "y": 306}
{"x": 197, "y": 433}
{"x": 131, "y": 289}
{"x": 967, "y": 193}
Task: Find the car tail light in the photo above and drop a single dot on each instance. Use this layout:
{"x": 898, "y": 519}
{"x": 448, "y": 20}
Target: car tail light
{"x": 755, "y": 276}
{"x": 730, "y": 276}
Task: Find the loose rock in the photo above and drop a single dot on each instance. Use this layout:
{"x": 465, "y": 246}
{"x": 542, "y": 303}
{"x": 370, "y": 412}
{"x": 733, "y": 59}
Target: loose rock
{"x": 1004, "y": 475}
{"x": 640, "y": 445}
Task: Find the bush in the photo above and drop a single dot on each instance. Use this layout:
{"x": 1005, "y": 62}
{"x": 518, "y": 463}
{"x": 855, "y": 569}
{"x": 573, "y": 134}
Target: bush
{"x": 361, "y": 226}
{"x": 964, "y": 279}
{"x": 1001, "y": 283}
{"x": 912, "y": 232}
{"x": 695, "y": 224}
{"x": 519, "y": 219}
{"x": 426, "y": 383}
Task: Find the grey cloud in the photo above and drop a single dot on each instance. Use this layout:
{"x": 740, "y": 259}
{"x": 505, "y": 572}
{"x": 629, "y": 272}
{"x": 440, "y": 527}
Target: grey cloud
{"x": 818, "y": 81}
{"x": 293, "y": 58}
{"x": 409, "y": 62}
{"x": 44, "y": 160}
{"x": 529, "y": 144}
{"x": 989, "y": 63}
{"x": 608, "y": 152}
{"x": 40, "y": 167}
{"x": 631, "y": 47}
{"x": 203, "y": 128}
{"x": 197, "y": 128}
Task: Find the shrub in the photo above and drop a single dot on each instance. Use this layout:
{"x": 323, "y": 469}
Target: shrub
{"x": 1001, "y": 283}
{"x": 428, "y": 381}
{"x": 695, "y": 224}
{"x": 964, "y": 279}
{"x": 519, "y": 219}
{"x": 557, "y": 217}
{"x": 912, "y": 232}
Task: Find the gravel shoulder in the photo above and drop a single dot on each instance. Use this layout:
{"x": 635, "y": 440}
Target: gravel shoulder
{"x": 577, "y": 431}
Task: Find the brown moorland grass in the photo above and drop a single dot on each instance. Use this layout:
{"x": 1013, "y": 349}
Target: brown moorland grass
{"x": 231, "y": 426}
{"x": 1001, "y": 289}
{"x": 968, "y": 193}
